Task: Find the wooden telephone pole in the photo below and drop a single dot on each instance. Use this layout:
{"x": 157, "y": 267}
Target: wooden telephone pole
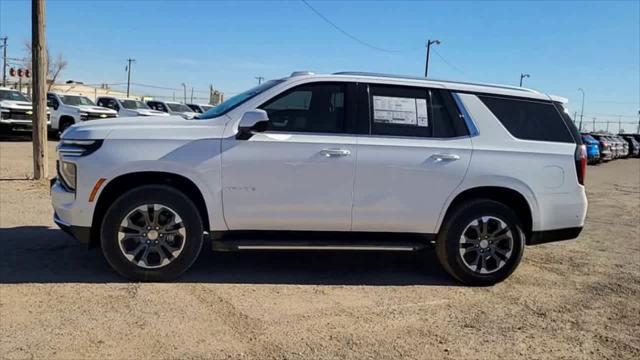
{"x": 39, "y": 65}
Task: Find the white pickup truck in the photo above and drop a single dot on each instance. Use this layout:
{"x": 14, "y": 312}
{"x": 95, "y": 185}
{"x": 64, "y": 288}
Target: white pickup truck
{"x": 71, "y": 109}
{"x": 16, "y": 111}
{"x": 128, "y": 107}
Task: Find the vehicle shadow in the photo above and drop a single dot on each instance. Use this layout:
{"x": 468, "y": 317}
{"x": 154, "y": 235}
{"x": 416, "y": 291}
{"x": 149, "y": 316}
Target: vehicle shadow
{"x": 37, "y": 254}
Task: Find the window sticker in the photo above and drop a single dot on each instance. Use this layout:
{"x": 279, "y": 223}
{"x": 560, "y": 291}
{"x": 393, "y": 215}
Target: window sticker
{"x": 400, "y": 111}
{"x": 423, "y": 118}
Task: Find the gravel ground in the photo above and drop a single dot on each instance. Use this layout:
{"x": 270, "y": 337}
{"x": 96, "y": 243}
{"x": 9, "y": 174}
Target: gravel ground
{"x": 573, "y": 299}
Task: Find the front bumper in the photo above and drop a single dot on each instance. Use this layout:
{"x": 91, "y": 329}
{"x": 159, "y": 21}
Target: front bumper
{"x": 18, "y": 125}
{"x": 80, "y": 233}
{"x": 66, "y": 215}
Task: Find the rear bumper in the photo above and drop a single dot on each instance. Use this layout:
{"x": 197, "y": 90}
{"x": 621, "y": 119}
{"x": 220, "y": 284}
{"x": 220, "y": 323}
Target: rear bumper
{"x": 542, "y": 237}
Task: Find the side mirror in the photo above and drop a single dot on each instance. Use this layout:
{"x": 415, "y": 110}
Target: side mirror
{"x": 252, "y": 121}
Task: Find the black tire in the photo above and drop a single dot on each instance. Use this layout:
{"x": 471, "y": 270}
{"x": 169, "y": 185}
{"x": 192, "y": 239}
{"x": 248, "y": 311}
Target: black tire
{"x": 448, "y": 241}
{"x": 64, "y": 125}
{"x": 152, "y": 194}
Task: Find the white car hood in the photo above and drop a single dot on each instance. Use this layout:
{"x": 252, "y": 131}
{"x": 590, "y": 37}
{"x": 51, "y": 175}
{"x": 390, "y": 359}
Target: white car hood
{"x": 10, "y": 104}
{"x": 151, "y": 127}
{"x": 93, "y": 109}
{"x": 149, "y": 112}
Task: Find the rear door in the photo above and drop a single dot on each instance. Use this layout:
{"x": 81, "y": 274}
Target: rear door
{"x": 416, "y": 154}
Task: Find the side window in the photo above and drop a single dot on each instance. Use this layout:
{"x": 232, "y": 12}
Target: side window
{"x": 314, "y": 107}
{"x": 529, "y": 119}
{"x": 52, "y": 102}
{"x": 101, "y": 102}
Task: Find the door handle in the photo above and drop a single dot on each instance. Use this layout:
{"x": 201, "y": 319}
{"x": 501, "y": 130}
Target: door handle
{"x": 445, "y": 157}
{"x": 335, "y": 152}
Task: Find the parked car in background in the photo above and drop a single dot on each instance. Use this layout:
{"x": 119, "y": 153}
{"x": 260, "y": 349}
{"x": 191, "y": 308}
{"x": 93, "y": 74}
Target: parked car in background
{"x": 617, "y": 146}
{"x": 593, "y": 148}
{"x": 625, "y": 146}
{"x": 634, "y": 145}
{"x": 16, "y": 111}
{"x": 200, "y": 108}
{"x": 605, "y": 147}
{"x": 68, "y": 109}
{"x": 456, "y": 165}
{"x": 128, "y": 107}
{"x": 172, "y": 108}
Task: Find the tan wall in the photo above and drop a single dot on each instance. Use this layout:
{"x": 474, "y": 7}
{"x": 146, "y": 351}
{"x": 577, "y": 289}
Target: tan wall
{"x": 89, "y": 91}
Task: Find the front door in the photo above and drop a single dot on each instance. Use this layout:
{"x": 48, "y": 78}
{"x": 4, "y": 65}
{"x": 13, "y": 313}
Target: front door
{"x": 299, "y": 173}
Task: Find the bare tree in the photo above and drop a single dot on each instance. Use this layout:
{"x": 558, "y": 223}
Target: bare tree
{"x": 54, "y": 68}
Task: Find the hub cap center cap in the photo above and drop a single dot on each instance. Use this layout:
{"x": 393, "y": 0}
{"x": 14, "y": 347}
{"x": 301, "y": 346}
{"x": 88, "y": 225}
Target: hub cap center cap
{"x": 484, "y": 244}
{"x": 152, "y": 234}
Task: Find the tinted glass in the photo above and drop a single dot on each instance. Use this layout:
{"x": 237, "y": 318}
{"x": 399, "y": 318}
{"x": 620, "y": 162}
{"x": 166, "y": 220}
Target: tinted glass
{"x": 316, "y": 108}
{"x": 413, "y": 111}
{"x": 529, "y": 119}
{"x": 12, "y": 95}
{"x": 237, "y": 100}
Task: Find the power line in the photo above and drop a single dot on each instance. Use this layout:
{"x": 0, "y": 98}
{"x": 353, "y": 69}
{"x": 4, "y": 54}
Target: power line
{"x": 347, "y": 34}
{"x": 448, "y": 63}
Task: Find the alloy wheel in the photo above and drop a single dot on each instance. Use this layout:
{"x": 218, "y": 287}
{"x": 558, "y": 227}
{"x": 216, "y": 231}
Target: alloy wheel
{"x": 151, "y": 236}
{"x": 486, "y": 245}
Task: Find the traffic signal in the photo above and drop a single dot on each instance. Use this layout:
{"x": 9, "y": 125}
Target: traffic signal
{"x": 12, "y": 72}
{"x": 27, "y": 73}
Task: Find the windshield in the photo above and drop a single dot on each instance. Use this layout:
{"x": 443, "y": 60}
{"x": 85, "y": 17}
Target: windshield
{"x": 133, "y": 104}
{"x": 76, "y": 100}
{"x": 179, "y": 107}
{"x": 12, "y": 95}
{"x": 235, "y": 101}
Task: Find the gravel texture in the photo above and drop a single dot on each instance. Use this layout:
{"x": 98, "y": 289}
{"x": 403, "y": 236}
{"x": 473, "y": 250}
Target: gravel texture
{"x": 573, "y": 299}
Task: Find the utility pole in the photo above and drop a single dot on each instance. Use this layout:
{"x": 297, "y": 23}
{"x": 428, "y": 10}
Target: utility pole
{"x": 192, "y": 94}
{"x": 259, "y": 78}
{"x": 638, "y": 131}
{"x": 184, "y": 86}
{"x": 4, "y": 60}
{"x": 582, "y": 110}
{"x": 619, "y": 123}
{"x": 39, "y": 65}
{"x": 594, "y": 124}
{"x": 607, "y": 126}
{"x": 130, "y": 61}
{"x": 522, "y": 76}
{"x": 426, "y": 64}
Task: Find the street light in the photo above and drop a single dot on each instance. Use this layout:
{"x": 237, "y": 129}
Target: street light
{"x": 426, "y": 65}
{"x": 184, "y": 86}
{"x": 582, "y": 109}
{"x": 522, "y": 76}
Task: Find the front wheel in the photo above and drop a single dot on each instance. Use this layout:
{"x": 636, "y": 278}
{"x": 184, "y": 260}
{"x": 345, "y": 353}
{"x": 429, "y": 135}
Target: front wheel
{"x": 152, "y": 233}
{"x": 481, "y": 242}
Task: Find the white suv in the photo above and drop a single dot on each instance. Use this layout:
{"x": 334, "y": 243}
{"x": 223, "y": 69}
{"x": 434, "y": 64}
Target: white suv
{"x": 128, "y": 107}
{"x": 349, "y": 161}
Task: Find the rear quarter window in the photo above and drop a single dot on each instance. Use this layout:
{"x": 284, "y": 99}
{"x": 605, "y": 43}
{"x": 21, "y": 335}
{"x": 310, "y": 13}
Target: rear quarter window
{"x": 529, "y": 119}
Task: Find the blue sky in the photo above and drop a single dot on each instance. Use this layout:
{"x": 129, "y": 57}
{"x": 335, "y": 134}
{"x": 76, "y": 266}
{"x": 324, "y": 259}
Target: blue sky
{"x": 563, "y": 45}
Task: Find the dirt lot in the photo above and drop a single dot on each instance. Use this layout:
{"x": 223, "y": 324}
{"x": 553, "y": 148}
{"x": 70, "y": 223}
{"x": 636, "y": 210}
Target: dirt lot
{"x": 575, "y": 299}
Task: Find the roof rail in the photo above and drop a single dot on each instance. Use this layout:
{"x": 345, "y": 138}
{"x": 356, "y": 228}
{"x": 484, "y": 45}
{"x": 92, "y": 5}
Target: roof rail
{"x": 301, "y": 73}
{"x": 406, "y": 77}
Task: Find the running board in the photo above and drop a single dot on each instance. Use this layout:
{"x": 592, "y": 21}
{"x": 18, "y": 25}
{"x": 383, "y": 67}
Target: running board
{"x": 293, "y": 240}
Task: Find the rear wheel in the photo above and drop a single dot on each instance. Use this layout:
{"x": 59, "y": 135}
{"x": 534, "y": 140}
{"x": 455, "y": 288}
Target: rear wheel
{"x": 481, "y": 242}
{"x": 152, "y": 233}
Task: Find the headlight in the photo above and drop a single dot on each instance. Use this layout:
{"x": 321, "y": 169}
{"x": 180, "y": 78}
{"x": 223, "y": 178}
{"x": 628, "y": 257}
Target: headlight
{"x": 77, "y": 148}
{"x": 67, "y": 173}
{"x": 5, "y": 110}
{"x": 84, "y": 116}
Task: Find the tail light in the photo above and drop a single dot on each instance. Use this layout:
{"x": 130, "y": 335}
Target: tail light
{"x": 581, "y": 163}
